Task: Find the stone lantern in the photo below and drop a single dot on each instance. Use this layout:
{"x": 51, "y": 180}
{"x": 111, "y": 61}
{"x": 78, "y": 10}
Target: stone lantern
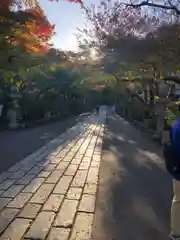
{"x": 14, "y": 108}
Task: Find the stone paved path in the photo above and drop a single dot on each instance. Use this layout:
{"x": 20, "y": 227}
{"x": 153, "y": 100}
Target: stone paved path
{"x": 51, "y": 193}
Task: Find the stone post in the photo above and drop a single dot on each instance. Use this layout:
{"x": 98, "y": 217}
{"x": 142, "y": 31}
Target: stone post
{"x": 13, "y": 110}
{"x": 160, "y": 109}
{"x": 47, "y": 115}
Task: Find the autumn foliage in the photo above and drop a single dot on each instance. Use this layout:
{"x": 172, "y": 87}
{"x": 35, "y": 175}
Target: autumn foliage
{"x": 29, "y": 28}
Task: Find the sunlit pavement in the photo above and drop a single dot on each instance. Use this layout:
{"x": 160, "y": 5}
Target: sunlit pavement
{"x": 51, "y": 193}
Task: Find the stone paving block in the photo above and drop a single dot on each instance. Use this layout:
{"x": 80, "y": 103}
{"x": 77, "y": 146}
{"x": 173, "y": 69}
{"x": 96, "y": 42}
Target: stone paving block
{"x": 42, "y": 193}
{"x": 26, "y": 179}
{"x": 95, "y": 164}
{"x": 4, "y": 176}
{"x": 91, "y": 146}
{"x": 14, "y": 168}
{"x": 68, "y": 138}
{"x": 72, "y": 143}
{"x": 62, "y": 165}
{"x": 74, "y": 193}
{"x": 81, "y": 152}
{"x": 71, "y": 170}
{"x": 87, "y": 203}
{"x": 84, "y": 165}
{"x": 13, "y": 191}
{"x": 71, "y": 154}
{"x": 50, "y": 167}
{"x": 66, "y": 146}
{"x": 93, "y": 175}
{"x": 7, "y": 183}
{"x": 55, "y": 152}
{"x": 55, "y": 160}
{"x": 36, "y": 170}
{"x": 41, "y": 226}
{"x": 30, "y": 211}
{"x": 63, "y": 185}
{"x": 76, "y": 160}
{"x": 54, "y": 177}
{"x": 17, "y": 175}
{"x": 27, "y": 166}
{"x": 97, "y": 152}
{"x": 75, "y": 149}
{"x": 20, "y": 200}
{"x": 34, "y": 185}
{"x": 93, "y": 142}
{"x": 4, "y": 202}
{"x": 25, "y": 161}
{"x": 62, "y": 154}
{"x": 79, "y": 155}
{"x": 32, "y": 156}
{"x": 79, "y": 179}
{"x": 85, "y": 143}
{"x": 87, "y": 159}
{"x": 67, "y": 158}
{"x": 90, "y": 189}
{"x": 43, "y": 174}
{"x": 40, "y": 157}
{"x": 89, "y": 153}
{"x": 6, "y": 216}
{"x": 49, "y": 157}
{"x": 66, "y": 214}
{"x": 1, "y": 192}
{"x": 43, "y": 163}
{"x": 53, "y": 203}
{"x": 82, "y": 229}
{"x": 16, "y": 229}
{"x": 79, "y": 143}
{"x": 83, "y": 147}
{"x": 99, "y": 143}
{"x": 59, "y": 234}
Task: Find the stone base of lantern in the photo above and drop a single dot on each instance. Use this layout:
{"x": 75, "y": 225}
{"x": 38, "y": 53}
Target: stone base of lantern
{"x": 12, "y": 114}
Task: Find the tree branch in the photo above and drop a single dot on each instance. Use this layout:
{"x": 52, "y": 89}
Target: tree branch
{"x": 150, "y": 4}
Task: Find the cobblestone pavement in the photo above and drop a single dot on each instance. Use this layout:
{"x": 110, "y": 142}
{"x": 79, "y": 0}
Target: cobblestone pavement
{"x": 51, "y": 193}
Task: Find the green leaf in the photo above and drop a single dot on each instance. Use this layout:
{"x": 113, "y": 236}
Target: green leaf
{"x": 53, "y": 68}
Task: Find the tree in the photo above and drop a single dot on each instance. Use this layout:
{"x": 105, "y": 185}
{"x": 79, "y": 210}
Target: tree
{"x": 27, "y": 28}
{"x": 132, "y": 39}
{"x": 171, "y": 6}
{"x": 121, "y": 34}
{"x": 134, "y": 44}
{"x": 46, "y": 78}
{"x": 24, "y": 34}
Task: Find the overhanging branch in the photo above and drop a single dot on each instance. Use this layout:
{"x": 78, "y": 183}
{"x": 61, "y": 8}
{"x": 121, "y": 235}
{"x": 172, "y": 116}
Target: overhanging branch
{"x": 154, "y": 5}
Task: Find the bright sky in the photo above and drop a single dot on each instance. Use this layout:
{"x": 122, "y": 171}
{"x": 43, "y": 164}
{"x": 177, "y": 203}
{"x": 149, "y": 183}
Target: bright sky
{"x": 67, "y": 17}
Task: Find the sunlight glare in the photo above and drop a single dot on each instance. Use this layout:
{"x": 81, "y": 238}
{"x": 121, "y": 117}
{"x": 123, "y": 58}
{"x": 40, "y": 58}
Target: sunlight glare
{"x": 93, "y": 53}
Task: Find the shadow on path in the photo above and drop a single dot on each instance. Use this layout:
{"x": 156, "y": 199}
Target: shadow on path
{"x": 134, "y": 194}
